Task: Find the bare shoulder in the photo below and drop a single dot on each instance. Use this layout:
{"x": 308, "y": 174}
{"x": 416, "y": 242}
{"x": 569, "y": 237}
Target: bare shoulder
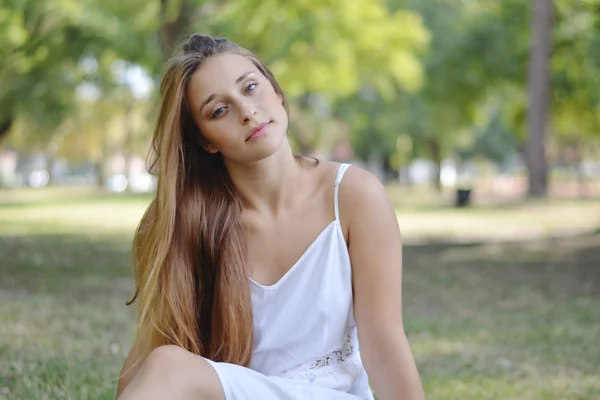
{"x": 324, "y": 173}
{"x": 356, "y": 179}
{"x": 325, "y": 169}
{"x": 364, "y": 204}
{"x": 361, "y": 188}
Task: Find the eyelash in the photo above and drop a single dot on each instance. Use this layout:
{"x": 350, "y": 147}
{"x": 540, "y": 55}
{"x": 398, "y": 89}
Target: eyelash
{"x": 250, "y": 84}
{"x": 215, "y": 115}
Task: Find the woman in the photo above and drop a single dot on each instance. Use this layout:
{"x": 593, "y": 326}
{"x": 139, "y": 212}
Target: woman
{"x": 257, "y": 271}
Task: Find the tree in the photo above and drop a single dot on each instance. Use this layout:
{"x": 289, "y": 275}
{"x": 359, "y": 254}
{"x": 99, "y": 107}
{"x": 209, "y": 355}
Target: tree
{"x": 43, "y": 43}
{"x": 539, "y": 101}
{"x": 575, "y": 103}
{"x": 459, "y": 69}
{"x": 332, "y": 47}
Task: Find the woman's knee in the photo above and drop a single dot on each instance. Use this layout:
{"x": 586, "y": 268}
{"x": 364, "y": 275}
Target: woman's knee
{"x": 165, "y": 356}
{"x": 176, "y": 367}
{"x": 165, "y": 363}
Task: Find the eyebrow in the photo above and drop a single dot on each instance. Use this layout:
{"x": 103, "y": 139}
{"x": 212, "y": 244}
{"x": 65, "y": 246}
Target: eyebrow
{"x": 212, "y": 96}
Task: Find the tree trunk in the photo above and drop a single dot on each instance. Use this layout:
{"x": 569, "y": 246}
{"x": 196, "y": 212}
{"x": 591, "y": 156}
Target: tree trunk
{"x": 389, "y": 172}
{"x": 5, "y": 127}
{"x": 580, "y": 171}
{"x": 50, "y": 163}
{"x": 436, "y": 155}
{"x": 539, "y": 88}
{"x": 171, "y": 33}
{"x": 100, "y": 174}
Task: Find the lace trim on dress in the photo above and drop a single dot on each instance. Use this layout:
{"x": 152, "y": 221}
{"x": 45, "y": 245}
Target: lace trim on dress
{"x": 339, "y": 357}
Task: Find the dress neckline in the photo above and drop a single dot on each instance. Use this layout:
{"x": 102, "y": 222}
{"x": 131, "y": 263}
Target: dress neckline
{"x": 298, "y": 262}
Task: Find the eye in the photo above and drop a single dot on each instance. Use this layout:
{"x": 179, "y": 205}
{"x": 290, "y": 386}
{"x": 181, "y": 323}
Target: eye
{"x": 218, "y": 112}
{"x": 251, "y": 86}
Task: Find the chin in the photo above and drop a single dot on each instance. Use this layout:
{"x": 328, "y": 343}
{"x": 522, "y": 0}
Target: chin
{"x": 270, "y": 145}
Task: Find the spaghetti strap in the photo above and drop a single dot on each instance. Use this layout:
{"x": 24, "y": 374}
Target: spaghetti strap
{"x": 338, "y": 180}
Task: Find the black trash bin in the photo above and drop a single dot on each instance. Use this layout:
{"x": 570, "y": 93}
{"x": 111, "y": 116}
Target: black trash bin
{"x": 463, "y": 197}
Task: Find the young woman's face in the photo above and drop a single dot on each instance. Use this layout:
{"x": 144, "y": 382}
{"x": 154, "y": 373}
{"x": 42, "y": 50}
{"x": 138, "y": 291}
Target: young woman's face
{"x": 236, "y": 108}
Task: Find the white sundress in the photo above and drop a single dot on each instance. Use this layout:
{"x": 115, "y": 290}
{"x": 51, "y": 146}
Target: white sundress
{"x": 305, "y": 337}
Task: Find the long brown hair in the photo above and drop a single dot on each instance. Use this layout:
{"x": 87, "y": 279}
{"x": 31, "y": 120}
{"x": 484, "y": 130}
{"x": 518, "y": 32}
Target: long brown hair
{"x": 189, "y": 248}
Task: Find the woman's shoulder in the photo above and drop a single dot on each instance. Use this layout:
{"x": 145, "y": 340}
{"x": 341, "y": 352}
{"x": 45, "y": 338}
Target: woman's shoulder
{"x": 356, "y": 182}
{"x": 355, "y": 177}
{"x": 360, "y": 182}
{"x": 361, "y": 191}
{"x": 358, "y": 187}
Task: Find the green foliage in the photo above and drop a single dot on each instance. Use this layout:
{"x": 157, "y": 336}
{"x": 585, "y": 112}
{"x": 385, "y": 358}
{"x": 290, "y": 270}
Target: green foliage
{"x": 425, "y": 69}
{"x": 480, "y": 53}
{"x": 576, "y": 70}
{"x": 456, "y": 79}
{"x": 42, "y": 44}
{"x": 332, "y": 47}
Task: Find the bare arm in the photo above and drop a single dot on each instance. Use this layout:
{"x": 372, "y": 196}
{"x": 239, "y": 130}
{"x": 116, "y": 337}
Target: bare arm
{"x": 376, "y": 254}
{"x": 128, "y": 371}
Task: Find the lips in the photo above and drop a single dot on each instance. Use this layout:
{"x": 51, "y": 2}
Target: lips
{"x": 258, "y": 131}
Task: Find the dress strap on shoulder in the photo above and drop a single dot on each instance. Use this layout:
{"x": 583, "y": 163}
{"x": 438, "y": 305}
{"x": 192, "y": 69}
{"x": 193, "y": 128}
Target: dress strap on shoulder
{"x": 341, "y": 171}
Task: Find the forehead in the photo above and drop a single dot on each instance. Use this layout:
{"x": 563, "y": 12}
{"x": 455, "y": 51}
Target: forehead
{"x": 220, "y": 72}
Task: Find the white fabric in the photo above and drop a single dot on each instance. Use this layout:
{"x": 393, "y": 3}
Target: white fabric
{"x": 306, "y": 345}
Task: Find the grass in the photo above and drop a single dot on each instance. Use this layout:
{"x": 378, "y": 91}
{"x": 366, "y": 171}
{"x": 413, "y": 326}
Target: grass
{"x": 500, "y": 301}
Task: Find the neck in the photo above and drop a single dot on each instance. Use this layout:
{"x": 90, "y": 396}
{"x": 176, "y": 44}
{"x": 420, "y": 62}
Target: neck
{"x": 269, "y": 186}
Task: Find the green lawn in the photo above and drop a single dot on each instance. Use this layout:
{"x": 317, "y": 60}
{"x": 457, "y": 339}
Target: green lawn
{"x": 500, "y": 302}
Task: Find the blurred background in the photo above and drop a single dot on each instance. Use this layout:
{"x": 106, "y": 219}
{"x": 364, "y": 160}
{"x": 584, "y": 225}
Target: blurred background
{"x": 481, "y": 117}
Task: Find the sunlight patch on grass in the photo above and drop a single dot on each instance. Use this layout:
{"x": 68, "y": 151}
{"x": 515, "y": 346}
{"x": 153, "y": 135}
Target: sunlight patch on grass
{"x": 87, "y": 217}
{"x": 524, "y": 221}
{"x": 516, "y": 386}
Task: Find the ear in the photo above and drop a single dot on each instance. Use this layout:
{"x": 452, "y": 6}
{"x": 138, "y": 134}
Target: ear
{"x": 280, "y": 97}
{"x": 210, "y": 148}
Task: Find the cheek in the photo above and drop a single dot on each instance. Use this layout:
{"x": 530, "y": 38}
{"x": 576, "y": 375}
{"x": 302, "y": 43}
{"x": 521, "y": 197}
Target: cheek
{"x": 210, "y": 132}
{"x": 214, "y": 132}
{"x": 269, "y": 96}
{"x": 222, "y": 132}
{"x": 274, "y": 103}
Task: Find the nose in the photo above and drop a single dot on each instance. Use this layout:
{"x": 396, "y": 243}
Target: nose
{"x": 248, "y": 111}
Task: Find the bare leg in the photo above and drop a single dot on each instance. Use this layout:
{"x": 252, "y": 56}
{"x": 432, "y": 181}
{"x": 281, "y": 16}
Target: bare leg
{"x": 171, "y": 372}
